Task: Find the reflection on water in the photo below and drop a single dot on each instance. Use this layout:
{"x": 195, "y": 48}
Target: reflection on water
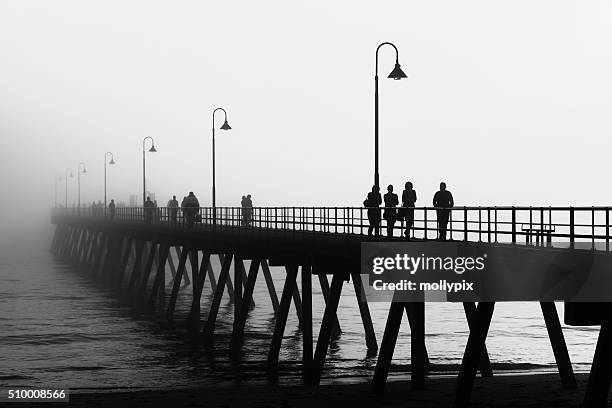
{"x": 58, "y": 328}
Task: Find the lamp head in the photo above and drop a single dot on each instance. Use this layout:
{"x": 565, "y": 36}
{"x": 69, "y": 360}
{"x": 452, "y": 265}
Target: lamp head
{"x": 397, "y": 72}
{"x": 112, "y": 161}
{"x": 152, "y": 149}
{"x": 84, "y": 170}
{"x": 225, "y": 126}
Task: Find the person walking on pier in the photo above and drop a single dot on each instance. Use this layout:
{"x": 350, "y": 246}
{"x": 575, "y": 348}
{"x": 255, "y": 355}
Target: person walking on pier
{"x": 390, "y": 213}
{"x": 372, "y": 203}
{"x": 173, "y": 209}
{"x": 148, "y": 210}
{"x": 443, "y": 200}
{"x": 111, "y": 208}
{"x": 191, "y": 207}
{"x": 409, "y": 197}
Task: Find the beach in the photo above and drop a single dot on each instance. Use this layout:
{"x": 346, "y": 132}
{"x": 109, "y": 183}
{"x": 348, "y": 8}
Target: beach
{"x": 521, "y": 390}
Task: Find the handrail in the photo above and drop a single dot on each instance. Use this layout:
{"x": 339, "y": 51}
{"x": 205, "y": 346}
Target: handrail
{"x": 531, "y": 225}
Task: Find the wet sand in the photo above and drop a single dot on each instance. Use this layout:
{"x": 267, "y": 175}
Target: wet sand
{"x": 529, "y": 390}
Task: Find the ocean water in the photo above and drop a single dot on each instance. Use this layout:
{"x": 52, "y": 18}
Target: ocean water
{"x": 60, "y": 328}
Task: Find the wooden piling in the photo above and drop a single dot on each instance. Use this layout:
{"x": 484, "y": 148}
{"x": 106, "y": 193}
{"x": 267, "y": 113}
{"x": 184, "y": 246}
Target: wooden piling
{"x": 159, "y": 280}
{"x": 307, "y": 322}
{"x": 473, "y": 350}
{"x": 485, "y": 363}
{"x": 326, "y": 327}
{"x": 281, "y": 317}
{"x": 194, "y": 314}
{"x": 270, "y": 284}
{"x": 147, "y": 270}
{"x": 557, "y": 341}
{"x": 387, "y": 346}
{"x": 238, "y": 329}
{"x": 600, "y": 377}
{"x": 209, "y": 327}
{"x": 364, "y": 310}
{"x": 136, "y": 268}
{"x": 336, "y": 330}
{"x": 177, "y": 283}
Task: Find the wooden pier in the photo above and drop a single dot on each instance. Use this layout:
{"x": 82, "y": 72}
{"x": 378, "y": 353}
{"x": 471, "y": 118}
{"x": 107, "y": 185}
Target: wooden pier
{"x": 133, "y": 251}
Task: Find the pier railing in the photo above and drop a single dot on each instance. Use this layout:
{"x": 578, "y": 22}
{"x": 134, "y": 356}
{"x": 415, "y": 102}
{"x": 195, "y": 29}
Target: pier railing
{"x": 533, "y": 225}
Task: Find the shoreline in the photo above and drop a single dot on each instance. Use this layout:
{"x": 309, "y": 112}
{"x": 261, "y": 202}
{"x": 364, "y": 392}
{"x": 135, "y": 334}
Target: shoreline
{"x": 505, "y": 390}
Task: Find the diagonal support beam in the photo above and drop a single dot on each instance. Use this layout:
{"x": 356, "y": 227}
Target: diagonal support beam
{"x": 281, "y": 317}
{"x": 176, "y": 285}
{"x": 209, "y": 327}
{"x": 326, "y": 327}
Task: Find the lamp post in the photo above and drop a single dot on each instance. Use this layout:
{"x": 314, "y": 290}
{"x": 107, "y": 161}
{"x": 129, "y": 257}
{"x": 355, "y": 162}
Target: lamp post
{"x": 111, "y": 162}
{"x": 396, "y": 74}
{"x": 79, "y": 171}
{"x": 56, "y": 180}
{"x": 225, "y": 126}
{"x": 66, "y": 175}
{"x": 144, "y": 167}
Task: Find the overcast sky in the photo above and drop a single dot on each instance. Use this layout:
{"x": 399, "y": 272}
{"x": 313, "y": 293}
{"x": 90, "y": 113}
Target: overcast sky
{"x": 508, "y": 102}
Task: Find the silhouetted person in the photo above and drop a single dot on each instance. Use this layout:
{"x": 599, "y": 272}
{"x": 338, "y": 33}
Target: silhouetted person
{"x": 248, "y": 209}
{"x": 148, "y": 210}
{"x": 442, "y": 200}
{"x": 111, "y": 208}
{"x": 192, "y": 206}
{"x": 390, "y": 213}
{"x": 372, "y": 203}
{"x": 244, "y": 213}
{"x": 183, "y": 209}
{"x": 409, "y": 197}
{"x": 173, "y": 209}
{"x": 156, "y": 213}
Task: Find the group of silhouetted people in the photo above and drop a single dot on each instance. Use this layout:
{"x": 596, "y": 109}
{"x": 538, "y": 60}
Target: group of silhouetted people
{"x": 442, "y": 201}
{"x": 247, "y": 209}
{"x": 191, "y": 209}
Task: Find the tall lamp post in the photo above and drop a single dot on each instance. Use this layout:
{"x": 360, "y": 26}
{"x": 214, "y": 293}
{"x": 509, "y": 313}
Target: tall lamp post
{"x": 79, "y": 171}
{"x": 56, "y": 180}
{"x": 225, "y": 126}
{"x": 67, "y": 174}
{"x": 396, "y": 74}
{"x": 111, "y": 162}
{"x": 144, "y": 167}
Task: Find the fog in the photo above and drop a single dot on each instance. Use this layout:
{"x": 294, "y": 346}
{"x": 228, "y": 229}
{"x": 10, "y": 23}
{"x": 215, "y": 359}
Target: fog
{"x": 508, "y": 102}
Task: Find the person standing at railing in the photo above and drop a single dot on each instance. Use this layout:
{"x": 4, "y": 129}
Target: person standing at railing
{"x": 390, "y": 213}
{"x": 111, "y": 209}
{"x": 173, "y": 208}
{"x": 409, "y": 198}
{"x": 148, "y": 210}
{"x": 248, "y": 209}
{"x": 243, "y": 207}
{"x": 443, "y": 200}
{"x": 191, "y": 207}
{"x": 156, "y": 212}
{"x": 372, "y": 203}
{"x": 184, "y": 210}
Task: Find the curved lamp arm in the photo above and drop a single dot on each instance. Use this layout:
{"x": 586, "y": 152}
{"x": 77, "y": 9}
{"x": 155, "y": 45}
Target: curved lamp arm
{"x": 215, "y": 111}
{"x": 396, "y": 54}
{"x": 144, "y": 140}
